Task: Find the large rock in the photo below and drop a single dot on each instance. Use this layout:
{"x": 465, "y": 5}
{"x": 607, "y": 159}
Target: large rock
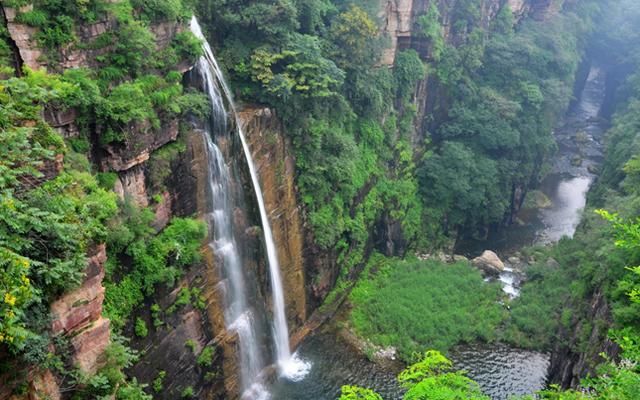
{"x": 80, "y": 307}
{"x": 141, "y": 140}
{"x": 131, "y": 184}
{"x": 397, "y": 23}
{"x": 489, "y": 262}
{"x": 77, "y": 315}
{"x": 23, "y": 37}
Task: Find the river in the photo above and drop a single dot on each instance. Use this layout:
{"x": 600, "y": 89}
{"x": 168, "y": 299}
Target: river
{"x": 500, "y": 370}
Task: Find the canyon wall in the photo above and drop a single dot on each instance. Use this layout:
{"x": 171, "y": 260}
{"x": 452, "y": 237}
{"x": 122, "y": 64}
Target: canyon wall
{"x": 77, "y": 315}
{"x": 275, "y": 166}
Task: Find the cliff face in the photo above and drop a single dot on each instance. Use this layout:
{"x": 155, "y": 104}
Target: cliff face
{"x": 77, "y": 315}
{"x": 399, "y": 18}
{"x": 276, "y": 169}
{"x": 572, "y": 360}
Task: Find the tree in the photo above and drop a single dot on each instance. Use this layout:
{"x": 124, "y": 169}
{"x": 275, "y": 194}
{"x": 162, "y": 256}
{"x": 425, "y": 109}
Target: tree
{"x": 428, "y": 379}
{"x": 353, "y": 33}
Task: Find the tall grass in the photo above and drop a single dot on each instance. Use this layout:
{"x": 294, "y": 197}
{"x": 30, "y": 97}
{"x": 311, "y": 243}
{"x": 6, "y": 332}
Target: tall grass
{"x": 415, "y": 305}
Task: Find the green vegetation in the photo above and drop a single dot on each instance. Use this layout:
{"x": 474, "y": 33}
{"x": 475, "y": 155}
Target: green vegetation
{"x": 417, "y": 304}
{"x": 68, "y": 212}
{"x": 430, "y": 378}
{"x": 556, "y": 307}
{"x": 205, "y": 359}
{"x": 158, "y": 382}
{"x": 191, "y": 345}
{"x": 362, "y": 168}
{"x": 358, "y": 393}
{"x": 134, "y": 85}
{"x": 360, "y": 160}
{"x": 143, "y": 259}
{"x": 140, "y": 328}
{"x": 315, "y": 62}
{"x": 188, "y": 393}
{"x": 615, "y": 379}
{"x": 505, "y": 90}
{"x": 54, "y": 208}
{"x": 110, "y": 381}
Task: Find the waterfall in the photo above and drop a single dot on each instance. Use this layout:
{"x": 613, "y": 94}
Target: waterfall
{"x": 238, "y": 315}
{"x": 238, "y": 309}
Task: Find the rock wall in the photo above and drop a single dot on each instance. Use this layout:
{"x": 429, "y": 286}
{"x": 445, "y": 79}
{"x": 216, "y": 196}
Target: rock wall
{"x": 573, "y": 359}
{"x": 399, "y": 20}
{"x": 397, "y": 23}
{"x": 77, "y": 315}
{"x": 276, "y": 168}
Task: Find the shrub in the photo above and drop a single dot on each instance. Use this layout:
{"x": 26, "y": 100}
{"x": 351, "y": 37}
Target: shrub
{"x": 188, "y": 393}
{"x": 205, "y": 359}
{"x": 159, "y": 381}
{"x": 154, "y": 259}
{"x": 161, "y": 10}
{"x": 141, "y": 328}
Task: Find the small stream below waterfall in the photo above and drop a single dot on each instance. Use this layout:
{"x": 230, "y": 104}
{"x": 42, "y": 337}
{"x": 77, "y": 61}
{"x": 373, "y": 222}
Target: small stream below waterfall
{"x": 500, "y": 370}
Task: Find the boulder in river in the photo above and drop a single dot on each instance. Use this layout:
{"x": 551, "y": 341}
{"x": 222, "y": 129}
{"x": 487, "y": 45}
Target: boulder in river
{"x": 489, "y": 262}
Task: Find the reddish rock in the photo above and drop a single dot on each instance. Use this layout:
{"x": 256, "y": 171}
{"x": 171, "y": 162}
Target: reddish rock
{"x": 83, "y": 305}
{"x": 44, "y": 387}
{"x": 276, "y": 169}
{"x": 131, "y": 184}
{"x": 89, "y": 344}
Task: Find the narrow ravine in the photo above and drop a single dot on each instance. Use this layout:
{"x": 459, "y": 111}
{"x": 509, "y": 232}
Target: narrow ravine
{"x": 500, "y": 370}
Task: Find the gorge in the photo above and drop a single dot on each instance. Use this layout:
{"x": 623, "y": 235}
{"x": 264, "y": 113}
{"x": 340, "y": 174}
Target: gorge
{"x": 255, "y": 199}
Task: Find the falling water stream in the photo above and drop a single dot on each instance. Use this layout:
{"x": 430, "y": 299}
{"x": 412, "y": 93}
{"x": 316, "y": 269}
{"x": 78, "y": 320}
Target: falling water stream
{"x": 239, "y": 314}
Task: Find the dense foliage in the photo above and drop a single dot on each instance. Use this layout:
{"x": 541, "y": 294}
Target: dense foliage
{"x": 563, "y": 304}
{"x": 315, "y": 62}
{"x": 505, "y": 90}
{"x": 54, "y": 207}
{"x": 353, "y": 123}
{"x": 417, "y": 304}
{"x": 597, "y": 268}
{"x": 430, "y": 378}
{"x": 132, "y": 87}
{"x": 139, "y": 259}
{"x": 46, "y": 227}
